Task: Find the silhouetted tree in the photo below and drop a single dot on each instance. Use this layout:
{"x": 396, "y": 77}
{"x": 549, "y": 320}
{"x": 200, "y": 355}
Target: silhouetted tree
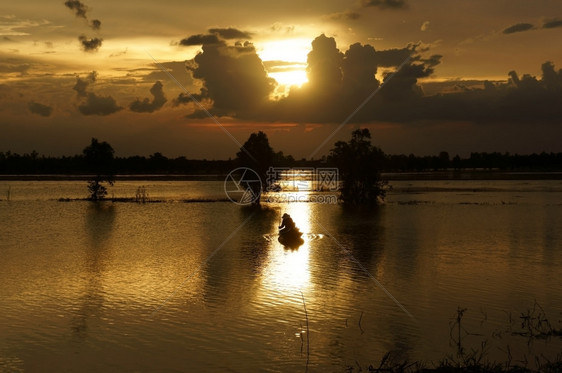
{"x": 444, "y": 160}
{"x": 99, "y": 160}
{"x": 257, "y": 154}
{"x": 359, "y": 165}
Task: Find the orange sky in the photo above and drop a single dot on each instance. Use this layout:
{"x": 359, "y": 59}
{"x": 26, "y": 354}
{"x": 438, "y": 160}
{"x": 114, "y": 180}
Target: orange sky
{"x": 51, "y": 102}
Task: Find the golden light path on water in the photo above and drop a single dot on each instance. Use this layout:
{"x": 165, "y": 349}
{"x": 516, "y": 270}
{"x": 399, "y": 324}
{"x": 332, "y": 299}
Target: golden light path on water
{"x": 288, "y": 271}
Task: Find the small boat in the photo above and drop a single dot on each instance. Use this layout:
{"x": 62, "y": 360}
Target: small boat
{"x": 291, "y": 238}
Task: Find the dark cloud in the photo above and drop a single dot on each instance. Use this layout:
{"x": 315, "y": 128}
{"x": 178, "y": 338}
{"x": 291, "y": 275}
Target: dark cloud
{"x": 522, "y": 99}
{"x": 519, "y": 27}
{"x": 432, "y": 61}
{"x": 95, "y": 24}
{"x": 235, "y": 84}
{"x": 81, "y": 86}
{"x": 200, "y": 39}
{"x": 90, "y": 45}
{"x": 99, "y": 105}
{"x": 392, "y": 57}
{"x": 147, "y": 106}
{"x": 403, "y": 85}
{"x": 215, "y": 36}
{"x": 324, "y": 64}
{"x": 230, "y": 33}
{"x": 91, "y": 103}
{"x": 185, "y": 98}
{"x": 384, "y": 4}
{"x": 551, "y": 79}
{"x": 359, "y": 68}
{"x": 40, "y": 109}
{"x": 80, "y": 9}
{"x": 234, "y": 77}
{"x": 182, "y": 99}
{"x": 553, "y": 23}
{"x": 346, "y": 15}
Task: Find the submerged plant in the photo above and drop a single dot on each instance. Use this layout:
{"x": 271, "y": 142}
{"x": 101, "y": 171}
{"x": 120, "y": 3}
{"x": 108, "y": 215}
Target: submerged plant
{"x": 141, "y": 195}
{"x": 360, "y": 164}
{"x": 99, "y": 160}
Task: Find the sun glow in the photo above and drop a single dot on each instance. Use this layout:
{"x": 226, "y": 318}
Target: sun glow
{"x": 290, "y": 78}
{"x": 285, "y": 60}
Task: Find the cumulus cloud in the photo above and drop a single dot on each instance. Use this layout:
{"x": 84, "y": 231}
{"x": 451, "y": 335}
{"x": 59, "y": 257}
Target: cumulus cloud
{"x": 40, "y": 109}
{"x": 234, "y": 76}
{"x": 522, "y": 99}
{"x": 393, "y": 57}
{"x": 235, "y": 84}
{"x": 147, "y": 106}
{"x": 230, "y": 33}
{"x": 324, "y": 63}
{"x": 519, "y": 27}
{"x": 90, "y": 44}
{"x": 384, "y": 4}
{"x": 552, "y": 23}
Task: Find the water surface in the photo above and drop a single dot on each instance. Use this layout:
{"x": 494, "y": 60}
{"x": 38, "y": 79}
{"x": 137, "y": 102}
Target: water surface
{"x": 198, "y": 286}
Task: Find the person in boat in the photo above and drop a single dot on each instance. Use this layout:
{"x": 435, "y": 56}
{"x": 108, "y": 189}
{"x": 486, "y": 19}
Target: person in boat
{"x": 288, "y": 225}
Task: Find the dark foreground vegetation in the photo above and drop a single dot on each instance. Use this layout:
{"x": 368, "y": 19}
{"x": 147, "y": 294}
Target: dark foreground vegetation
{"x": 157, "y": 163}
{"x": 531, "y": 325}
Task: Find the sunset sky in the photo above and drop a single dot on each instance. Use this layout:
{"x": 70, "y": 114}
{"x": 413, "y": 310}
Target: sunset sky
{"x": 481, "y": 75}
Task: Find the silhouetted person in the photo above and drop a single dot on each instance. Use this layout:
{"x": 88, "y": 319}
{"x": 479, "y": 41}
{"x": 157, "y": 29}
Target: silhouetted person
{"x": 289, "y": 234}
{"x": 287, "y": 224}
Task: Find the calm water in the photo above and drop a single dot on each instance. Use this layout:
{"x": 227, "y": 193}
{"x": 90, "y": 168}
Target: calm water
{"x": 200, "y": 287}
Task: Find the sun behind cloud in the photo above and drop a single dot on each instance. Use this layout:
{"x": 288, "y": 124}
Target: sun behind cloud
{"x": 292, "y": 76}
{"x": 285, "y": 60}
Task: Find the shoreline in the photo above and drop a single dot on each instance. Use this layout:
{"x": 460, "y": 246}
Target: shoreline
{"x": 390, "y": 176}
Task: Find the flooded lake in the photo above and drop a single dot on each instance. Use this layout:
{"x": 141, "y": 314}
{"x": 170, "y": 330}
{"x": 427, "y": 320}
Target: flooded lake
{"x": 206, "y": 287}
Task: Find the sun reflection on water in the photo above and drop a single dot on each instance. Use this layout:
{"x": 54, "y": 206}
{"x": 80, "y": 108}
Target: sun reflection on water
{"x": 288, "y": 270}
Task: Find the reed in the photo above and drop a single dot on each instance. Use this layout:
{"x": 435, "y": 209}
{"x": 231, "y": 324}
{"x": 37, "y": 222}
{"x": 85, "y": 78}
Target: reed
{"x": 307, "y": 330}
{"x": 531, "y": 324}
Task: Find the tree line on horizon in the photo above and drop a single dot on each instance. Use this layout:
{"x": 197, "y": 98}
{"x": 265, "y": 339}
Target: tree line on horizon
{"x": 157, "y": 163}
